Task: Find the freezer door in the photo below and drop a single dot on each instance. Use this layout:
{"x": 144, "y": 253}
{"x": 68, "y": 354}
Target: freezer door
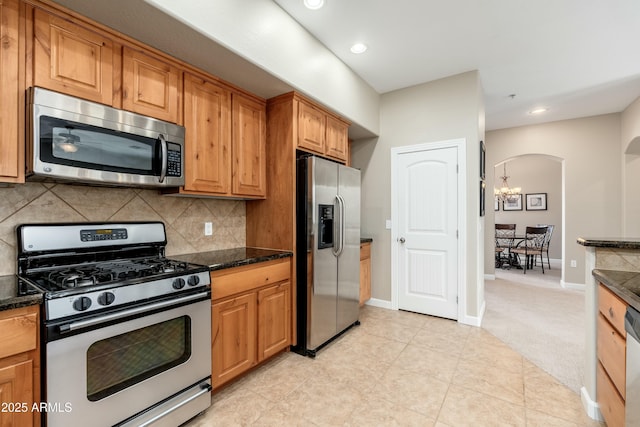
{"x": 349, "y": 258}
{"x": 321, "y": 298}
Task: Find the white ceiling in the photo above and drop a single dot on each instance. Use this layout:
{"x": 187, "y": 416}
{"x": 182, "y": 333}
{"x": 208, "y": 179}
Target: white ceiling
{"x": 577, "y": 58}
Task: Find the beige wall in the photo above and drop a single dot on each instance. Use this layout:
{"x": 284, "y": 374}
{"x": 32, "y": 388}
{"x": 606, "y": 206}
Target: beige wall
{"x": 183, "y": 217}
{"x": 590, "y": 150}
{"x": 534, "y": 174}
{"x": 631, "y": 168}
{"x": 436, "y": 111}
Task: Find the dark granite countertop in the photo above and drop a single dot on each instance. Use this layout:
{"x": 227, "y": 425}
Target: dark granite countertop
{"x": 611, "y": 242}
{"x": 625, "y": 284}
{"x": 228, "y": 258}
{"x": 14, "y": 293}
{"x": 366, "y": 240}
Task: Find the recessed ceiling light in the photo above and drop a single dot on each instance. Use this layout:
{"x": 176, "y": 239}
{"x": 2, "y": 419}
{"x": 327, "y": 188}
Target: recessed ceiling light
{"x": 358, "y": 48}
{"x": 538, "y": 110}
{"x": 314, "y": 4}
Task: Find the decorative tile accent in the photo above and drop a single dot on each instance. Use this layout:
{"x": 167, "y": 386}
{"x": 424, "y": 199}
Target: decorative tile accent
{"x": 184, "y": 217}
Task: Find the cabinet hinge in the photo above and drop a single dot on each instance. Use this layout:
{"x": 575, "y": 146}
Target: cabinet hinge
{"x": 457, "y": 168}
{"x": 457, "y": 234}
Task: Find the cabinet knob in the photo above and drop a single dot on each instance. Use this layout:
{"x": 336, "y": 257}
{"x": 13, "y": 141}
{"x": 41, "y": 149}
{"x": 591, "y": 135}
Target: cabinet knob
{"x": 401, "y": 240}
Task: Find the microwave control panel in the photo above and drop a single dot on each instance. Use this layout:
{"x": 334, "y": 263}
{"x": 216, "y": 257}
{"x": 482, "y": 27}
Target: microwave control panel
{"x": 174, "y": 160}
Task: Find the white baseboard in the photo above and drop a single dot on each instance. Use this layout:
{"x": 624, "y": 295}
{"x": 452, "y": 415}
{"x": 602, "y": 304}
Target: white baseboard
{"x": 474, "y": 320}
{"x": 374, "y": 302}
{"x": 489, "y": 277}
{"x": 576, "y": 286}
{"x": 590, "y": 406}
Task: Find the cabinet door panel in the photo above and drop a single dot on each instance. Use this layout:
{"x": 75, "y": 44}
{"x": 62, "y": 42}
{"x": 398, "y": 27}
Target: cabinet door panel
{"x": 12, "y": 158}
{"x": 16, "y": 387}
{"x": 249, "y": 150}
{"x": 311, "y": 128}
{"x": 150, "y": 86}
{"x": 337, "y": 139}
{"x": 71, "y": 59}
{"x": 274, "y": 320}
{"x": 208, "y": 133}
{"x": 233, "y": 326}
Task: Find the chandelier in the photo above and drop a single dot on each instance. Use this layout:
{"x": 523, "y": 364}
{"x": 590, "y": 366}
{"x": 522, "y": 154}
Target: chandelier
{"x": 505, "y": 192}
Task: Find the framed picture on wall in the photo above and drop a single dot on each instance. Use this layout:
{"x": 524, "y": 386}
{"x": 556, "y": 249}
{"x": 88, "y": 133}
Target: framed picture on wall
{"x": 496, "y": 203}
{"x": 537, "y": 202}
{"x": 513, "y": 203}
{"x": 483, "y": 160}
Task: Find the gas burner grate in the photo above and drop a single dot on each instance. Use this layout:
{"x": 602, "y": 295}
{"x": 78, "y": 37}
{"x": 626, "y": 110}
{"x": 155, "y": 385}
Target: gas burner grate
{"x": 76, "y": 277}
{"x": 112, "y": 271}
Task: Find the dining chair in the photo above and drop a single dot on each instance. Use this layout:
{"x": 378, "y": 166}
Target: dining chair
{"x": 547, "y": 240}
{"x": 505, "y": 236}
{"x": 532, "y": 246}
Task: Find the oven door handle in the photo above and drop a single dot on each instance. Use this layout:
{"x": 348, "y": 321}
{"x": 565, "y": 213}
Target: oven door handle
{"x": 204, "y": 389}
{"x": 81, "y": 324}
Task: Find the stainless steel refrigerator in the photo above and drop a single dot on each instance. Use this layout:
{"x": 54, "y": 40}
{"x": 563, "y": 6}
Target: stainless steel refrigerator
{"x": 328, "y": 251}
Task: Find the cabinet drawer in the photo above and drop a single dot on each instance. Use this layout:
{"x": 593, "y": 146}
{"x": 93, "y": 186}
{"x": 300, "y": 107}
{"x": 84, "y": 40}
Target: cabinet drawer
{"x": 610, "y": 402}
{"x": 612, "y": 353}
{"x": 232, "y": 281}
{"x": 18, "y": 333}
{"x": 612, "y": 308}
{"x": 365, "y": 250}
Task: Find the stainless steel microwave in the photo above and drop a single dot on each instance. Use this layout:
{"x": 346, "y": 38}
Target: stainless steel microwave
{"x": 77, "y": 140}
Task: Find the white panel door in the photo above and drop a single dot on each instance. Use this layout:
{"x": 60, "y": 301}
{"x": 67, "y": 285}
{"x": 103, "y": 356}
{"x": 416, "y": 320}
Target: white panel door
{"x": 427, "y": 194}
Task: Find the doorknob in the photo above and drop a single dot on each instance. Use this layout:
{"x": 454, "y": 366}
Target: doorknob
{"x": 401, "y": 240}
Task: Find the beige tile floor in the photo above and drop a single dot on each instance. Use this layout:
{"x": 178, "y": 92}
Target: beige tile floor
{"x": 399, "y": 369}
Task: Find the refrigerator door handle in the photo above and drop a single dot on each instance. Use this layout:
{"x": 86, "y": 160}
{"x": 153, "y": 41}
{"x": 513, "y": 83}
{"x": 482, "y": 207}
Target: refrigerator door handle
{"x": 341, "y": 213}
{"x": 336, "y": 228}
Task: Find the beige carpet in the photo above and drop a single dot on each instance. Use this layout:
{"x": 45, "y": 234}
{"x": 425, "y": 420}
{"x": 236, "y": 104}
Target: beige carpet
{"x": 535, "y": 316}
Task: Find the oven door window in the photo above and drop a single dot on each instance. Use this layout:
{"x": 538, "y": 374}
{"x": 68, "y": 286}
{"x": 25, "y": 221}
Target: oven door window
{"x": 74, "y": 144}
{"x": 118, "y": 362}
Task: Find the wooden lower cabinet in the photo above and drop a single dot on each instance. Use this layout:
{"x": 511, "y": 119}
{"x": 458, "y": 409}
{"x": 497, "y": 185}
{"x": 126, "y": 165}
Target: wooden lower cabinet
{"x": 233, "y": 326}
{"x": 611, "y": 350}
{"x": 19, "y": 367}
{"x": 274, "y": 314}
{"x": 365, "y": 272}
{"x": 251, "y": 317}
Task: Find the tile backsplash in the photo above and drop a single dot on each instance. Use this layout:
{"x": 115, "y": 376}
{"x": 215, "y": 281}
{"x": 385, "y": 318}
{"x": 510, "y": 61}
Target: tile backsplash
{"x": 617, "y": 259}
{"x": 184, "y": 217}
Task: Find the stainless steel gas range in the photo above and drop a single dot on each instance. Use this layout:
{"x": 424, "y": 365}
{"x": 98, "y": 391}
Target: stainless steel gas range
{"x": 127, "y": 332}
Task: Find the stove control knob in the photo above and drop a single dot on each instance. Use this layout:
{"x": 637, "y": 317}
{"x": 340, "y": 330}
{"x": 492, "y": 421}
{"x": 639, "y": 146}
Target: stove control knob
{"x": 178, "y": 283}
{"x": 193, "y": 280}
{"x": 82, "y": 303}
{"x": 106, "y": 298}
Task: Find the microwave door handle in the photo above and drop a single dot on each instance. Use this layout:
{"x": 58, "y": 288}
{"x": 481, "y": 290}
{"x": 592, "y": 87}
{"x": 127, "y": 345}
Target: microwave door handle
{"x": 164, "y": 157}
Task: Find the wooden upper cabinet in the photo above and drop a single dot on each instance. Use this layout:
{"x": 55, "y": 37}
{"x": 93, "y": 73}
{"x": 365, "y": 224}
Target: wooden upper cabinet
{"x": 11, "y": 132}
{"x": 311, "y": 128}
{"x": 71, "y": 59}
{"x": 337, "y": 139}
{"x": 207, "y": 109}
{"x": 322, "y": 133}
{"x": 249, "y": 174}
{"x": 150, "y": 86}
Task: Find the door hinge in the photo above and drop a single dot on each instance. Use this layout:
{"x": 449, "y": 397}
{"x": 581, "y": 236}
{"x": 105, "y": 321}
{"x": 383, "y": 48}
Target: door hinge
{"x": 456, "y": 299}
{"x": 457, "y": 168}
{"x": 457, "y": 234}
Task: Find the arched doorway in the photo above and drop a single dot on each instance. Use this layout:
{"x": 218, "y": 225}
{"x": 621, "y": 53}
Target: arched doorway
{"x": 537, "y": 175}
